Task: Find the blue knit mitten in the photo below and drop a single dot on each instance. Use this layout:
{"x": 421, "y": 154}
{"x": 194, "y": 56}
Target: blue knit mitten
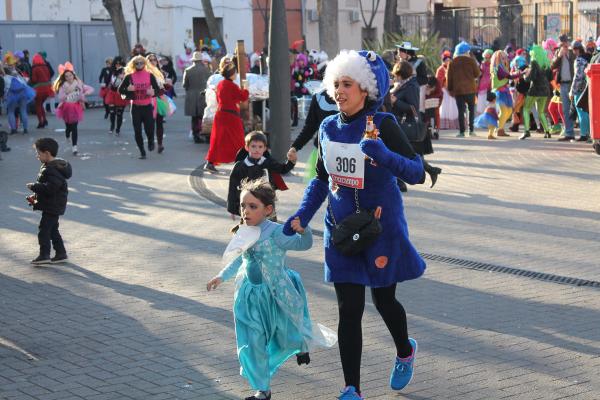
{"x": 409, "y": 170}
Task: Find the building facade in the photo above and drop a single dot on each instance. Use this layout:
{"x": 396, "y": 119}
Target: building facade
{"x": 165, "y": 25}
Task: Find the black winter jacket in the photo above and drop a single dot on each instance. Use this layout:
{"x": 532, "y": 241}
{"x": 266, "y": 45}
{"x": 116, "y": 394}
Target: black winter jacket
{"x": 252, "y": 169}
{"x": 540, "y": 80}
{"x": 51, "y": 187}
{"x": 321, "y": 107}
{"x": 407, "y": 99}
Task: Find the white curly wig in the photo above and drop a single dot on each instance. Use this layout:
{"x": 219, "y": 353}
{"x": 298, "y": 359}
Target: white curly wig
{"x": 351, "y": 64}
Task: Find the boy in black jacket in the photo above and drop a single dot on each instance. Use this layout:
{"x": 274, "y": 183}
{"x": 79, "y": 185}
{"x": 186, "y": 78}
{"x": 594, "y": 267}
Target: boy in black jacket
{"x": 50, "y": 196}
{"x": 256, "y": 165}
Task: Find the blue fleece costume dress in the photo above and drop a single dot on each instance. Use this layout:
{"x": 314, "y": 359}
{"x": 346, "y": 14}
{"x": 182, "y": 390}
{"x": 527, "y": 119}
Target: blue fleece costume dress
{"x": 392, "y": 258}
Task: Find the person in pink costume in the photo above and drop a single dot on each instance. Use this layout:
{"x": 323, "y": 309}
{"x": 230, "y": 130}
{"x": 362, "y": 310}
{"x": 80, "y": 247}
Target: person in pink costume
{"x": 71, "y": 94}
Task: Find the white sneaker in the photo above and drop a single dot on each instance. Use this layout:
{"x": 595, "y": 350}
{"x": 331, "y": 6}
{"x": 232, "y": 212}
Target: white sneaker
{"x": 74, "y": 150}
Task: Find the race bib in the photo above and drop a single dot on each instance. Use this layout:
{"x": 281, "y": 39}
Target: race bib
{"x": 345, "y": 163}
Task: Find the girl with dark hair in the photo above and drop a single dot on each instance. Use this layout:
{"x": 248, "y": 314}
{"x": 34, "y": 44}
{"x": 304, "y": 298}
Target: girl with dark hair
{"x": 113, "y": 98}
{"x": 269, "y": 329}
{"x": 104, "y": 80}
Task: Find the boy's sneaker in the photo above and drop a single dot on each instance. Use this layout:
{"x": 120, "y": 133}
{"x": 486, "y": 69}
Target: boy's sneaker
{"x": 59, "y": 258}
{"x": 74, "y": 150}
{"x": 39, "y": 260}
{"x": 402, "y": 372}
{"x": 349, "y": 393}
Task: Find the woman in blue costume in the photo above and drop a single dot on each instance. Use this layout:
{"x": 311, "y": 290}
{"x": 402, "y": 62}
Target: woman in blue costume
{"x": 358, "y": 81}
{"x": 272, "y": 322}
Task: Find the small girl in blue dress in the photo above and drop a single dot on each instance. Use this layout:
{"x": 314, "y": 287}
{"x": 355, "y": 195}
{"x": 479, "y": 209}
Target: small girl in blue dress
{"x": 489, "y": 118}
{"x": 272, "y": 322}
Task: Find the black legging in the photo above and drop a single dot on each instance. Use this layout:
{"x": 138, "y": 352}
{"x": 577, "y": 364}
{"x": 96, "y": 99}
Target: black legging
{"x": 351, "y": 304}
{"x": 143, "y": 115}
{"x": 116, "y": 113}
{"x": 71, "y": 131}
{"x": 464, "y": 102}
{"x": 160, "y": 128}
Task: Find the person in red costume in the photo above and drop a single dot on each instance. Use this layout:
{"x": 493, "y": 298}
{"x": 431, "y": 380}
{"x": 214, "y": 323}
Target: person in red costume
{"x": 40, "y": 81}
{"x": 227, "y": 134}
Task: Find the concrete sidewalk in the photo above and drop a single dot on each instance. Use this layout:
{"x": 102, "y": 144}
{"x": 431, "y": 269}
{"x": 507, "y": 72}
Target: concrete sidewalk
{"x": 129, "y": 318}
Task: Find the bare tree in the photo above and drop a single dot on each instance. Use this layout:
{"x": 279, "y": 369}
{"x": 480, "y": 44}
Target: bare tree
{"x": 138, "y": 19}
{"x": 115, "y": 10}
{"x": 368, "y": 32}
{"x": 211, "y": 22}
{"x": 391, "y": 20}
{"x": 328, "y": 26}
{"x": 264, "y": 12}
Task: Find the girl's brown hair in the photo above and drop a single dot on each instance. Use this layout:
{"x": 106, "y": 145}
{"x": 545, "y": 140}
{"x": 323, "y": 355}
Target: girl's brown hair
{"x": 61, "y": 80}
{"x": 262, "y": 190}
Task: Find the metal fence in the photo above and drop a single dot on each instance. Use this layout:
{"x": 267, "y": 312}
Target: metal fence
{"x": 520, "y": 24}
{"x": 589, "y": 23}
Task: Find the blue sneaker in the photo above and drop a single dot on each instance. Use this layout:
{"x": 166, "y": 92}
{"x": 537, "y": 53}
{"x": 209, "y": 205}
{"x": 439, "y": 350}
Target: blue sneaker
{"x": 402, "y": 372}
{"x": 349, "y": 393}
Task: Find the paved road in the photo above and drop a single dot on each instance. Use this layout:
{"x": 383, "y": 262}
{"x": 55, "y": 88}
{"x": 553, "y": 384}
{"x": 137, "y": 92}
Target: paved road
{"x": 128, "y": 317}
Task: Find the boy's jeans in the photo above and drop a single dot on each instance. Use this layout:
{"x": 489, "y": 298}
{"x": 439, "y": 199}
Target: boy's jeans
{"x": 566, "y": 105}
{"x": 12, "y": 120}
{"x": 48, "y": 231}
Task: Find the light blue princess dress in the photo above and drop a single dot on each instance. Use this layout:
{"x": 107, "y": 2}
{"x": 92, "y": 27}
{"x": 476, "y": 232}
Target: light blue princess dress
{"x": 272, "y": 322}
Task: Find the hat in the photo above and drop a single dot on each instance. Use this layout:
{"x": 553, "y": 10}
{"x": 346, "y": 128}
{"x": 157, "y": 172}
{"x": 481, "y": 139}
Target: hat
{"x": 206, "y": 57}
{"x": 520, "y": 51}
{"x": 577, "y": 45}
{"x": 407, "y": 46}
{"x": 462, "y": 48}
{"x": 197, "y": 56}
{"x": 364, "y": 67}
{"x": 563, "y": 38}
{"x": 446, "y": 55}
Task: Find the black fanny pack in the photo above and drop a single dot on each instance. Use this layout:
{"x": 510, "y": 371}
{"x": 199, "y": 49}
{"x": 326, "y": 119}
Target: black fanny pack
{"x": 357, "y": 231}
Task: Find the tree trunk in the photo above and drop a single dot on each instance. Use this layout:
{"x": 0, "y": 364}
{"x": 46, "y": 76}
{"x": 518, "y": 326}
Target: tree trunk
{"x": 328, "y": 27}
{"x": 211, "y": 22}
{"x": 115, "y": 10}
{"x": 138, "y": 18}
{"x": 391, "y": 20}
{"x": 279, "y": 82}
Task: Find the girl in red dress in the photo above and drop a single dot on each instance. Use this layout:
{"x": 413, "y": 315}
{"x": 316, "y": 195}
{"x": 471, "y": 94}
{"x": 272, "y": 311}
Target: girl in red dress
{"x": 227, "y": 134}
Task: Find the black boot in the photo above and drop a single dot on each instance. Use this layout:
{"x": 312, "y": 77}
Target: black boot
{"x": 432, "y": 171}
{"x": 303, "y": 358}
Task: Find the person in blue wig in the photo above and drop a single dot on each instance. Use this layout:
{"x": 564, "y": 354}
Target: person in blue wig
{"x": 463, "y": 72}
{"x": 348, "y": 181}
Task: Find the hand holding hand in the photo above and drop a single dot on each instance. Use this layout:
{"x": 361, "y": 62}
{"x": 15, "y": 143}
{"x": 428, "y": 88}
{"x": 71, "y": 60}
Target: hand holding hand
{"x": 296, "y": 226}
{"x": 292, "y": 155}
{"x": 213, "y": 283}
